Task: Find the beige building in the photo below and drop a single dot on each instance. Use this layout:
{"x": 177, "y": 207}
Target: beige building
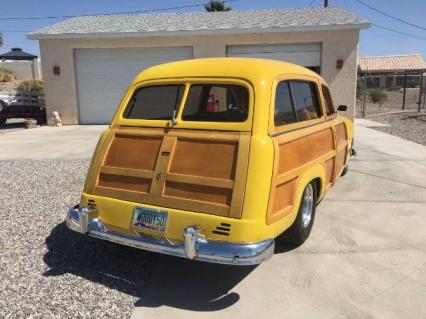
{"x": 88, "y": 62}
{"x": 392, "y": 71}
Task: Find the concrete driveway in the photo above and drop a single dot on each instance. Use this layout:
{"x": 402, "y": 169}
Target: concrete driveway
{"x": 366, "y": 257}
{"x": 51, "y": 143}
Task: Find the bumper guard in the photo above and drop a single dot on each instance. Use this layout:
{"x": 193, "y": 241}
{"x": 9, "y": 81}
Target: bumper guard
{"x": 194, "y": 246}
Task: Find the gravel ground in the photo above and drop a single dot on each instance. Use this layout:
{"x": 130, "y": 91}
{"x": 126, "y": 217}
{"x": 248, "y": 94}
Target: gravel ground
{"x": 47, "y": 271}
{"x": 410, "y": 126}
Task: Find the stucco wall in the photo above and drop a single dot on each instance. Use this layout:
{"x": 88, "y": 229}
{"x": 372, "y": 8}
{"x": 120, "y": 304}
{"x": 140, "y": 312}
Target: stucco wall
{"x": 61, "y": 93}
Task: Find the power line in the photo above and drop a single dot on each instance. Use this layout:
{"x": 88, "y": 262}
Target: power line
{"x": 400, "y": 32}
{"x": 312, "y": 2}
{"x": 110, "y": 13}
{"x": 390, "y": 16}
{"x": 14, "y": 31}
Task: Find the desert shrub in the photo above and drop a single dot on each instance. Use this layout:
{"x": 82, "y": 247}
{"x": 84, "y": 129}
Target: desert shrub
{"x": 377, "y": 95}
{"x": 6, "y": 75}
{"x": 31, "y": 86}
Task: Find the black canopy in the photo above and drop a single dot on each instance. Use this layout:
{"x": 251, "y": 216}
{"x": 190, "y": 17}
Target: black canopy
{"x": 17, "y": 54}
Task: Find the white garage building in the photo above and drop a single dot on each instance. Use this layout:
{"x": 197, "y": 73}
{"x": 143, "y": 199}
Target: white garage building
{"x": 88, "y": 62}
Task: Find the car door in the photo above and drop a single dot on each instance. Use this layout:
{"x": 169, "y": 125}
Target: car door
{"x": 302, "y": 138}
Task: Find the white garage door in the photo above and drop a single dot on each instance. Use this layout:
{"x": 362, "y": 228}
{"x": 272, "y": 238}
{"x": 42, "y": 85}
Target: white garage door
{"x": 306, "y": 54}
{"x": 104, "y": 74}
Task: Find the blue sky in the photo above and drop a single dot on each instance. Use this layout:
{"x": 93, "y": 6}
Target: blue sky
{"x": 374, "y": 41}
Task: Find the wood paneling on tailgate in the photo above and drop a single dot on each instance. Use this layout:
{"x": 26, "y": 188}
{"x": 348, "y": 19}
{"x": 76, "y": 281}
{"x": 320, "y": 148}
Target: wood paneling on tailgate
{"x": 199, "y": 171}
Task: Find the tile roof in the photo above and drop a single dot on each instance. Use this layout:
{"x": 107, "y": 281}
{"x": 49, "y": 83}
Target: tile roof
{"x": 391, "y": 63}
{"x": 303, "y": 19}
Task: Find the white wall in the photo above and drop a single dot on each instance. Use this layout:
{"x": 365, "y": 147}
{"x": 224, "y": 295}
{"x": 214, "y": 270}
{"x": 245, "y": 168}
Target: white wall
{"x": 61, "y": 92}
{"x": 24, "y": 70}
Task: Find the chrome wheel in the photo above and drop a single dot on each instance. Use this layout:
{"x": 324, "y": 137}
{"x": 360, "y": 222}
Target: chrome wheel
{"x": 307, "y": 205}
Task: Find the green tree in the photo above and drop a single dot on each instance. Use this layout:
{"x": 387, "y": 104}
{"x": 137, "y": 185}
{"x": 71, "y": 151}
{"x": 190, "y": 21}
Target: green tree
{"x": 216, "y": 6}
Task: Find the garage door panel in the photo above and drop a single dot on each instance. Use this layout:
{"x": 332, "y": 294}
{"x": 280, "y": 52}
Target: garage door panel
{"x": 103, "y": 75}
{"x": 306, "y": 54}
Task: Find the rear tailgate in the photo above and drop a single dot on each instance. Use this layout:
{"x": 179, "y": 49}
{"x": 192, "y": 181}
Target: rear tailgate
{"x": 193, "y": 170}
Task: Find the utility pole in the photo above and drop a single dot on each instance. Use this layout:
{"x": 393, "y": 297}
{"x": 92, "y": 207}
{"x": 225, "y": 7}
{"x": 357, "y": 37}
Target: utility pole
{"x": 405, "y": 89}
{"x": 420, "y": 90}
{"x": 364, "y": 95}
{"x": 325, "y": 3}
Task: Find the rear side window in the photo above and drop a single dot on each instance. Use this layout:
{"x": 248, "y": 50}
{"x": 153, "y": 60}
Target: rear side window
{"x": 305, "y": 100}
{"x": 216, "y": 103}
{"x": 328, "y": 101}
{"x": 284, "y": 112}
{"x": 155, "y": 102}
{"x": 296, "y": 101}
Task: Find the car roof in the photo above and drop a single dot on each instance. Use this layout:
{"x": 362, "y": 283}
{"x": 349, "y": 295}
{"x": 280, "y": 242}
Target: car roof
{"x": 251, "y": 69}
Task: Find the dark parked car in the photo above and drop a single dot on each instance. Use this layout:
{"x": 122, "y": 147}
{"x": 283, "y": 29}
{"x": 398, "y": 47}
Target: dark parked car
{"x": 22, "y": 109}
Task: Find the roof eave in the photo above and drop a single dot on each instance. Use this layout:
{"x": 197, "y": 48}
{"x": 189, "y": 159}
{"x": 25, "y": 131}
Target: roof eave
{"x": 391, "y": 71}
{"x": 334, "y": 27}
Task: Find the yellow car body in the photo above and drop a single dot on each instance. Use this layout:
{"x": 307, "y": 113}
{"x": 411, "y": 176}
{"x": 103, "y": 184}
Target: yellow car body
{"x": 227, "y": 189}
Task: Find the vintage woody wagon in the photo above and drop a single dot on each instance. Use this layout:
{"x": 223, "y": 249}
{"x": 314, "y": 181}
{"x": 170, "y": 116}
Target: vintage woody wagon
{"x": 213, "y": 159}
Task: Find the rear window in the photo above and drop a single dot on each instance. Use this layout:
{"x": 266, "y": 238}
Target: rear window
{"x": 155, "y": 102}
{"x": 216, "y": 103}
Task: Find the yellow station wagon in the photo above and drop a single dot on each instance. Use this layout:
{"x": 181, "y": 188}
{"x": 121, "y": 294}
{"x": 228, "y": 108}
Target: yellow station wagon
{"x": 214, "y": 159}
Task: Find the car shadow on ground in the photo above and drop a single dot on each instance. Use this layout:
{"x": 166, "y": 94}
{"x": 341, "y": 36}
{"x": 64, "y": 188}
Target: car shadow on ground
{"x": 155, "y": 279}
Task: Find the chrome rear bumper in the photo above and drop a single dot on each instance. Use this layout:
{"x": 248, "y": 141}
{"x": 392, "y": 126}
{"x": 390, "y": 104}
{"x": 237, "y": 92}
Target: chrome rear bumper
{"x": 194, "y": 246}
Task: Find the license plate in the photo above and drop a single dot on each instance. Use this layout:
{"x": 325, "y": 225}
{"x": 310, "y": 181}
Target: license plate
{"x": 148, "y": 218}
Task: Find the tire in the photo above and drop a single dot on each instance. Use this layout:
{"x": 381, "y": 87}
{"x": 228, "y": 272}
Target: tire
{"x": 302, "y": 226}
{"x": 2, "y": 122}
{"x": 345, "y": 170}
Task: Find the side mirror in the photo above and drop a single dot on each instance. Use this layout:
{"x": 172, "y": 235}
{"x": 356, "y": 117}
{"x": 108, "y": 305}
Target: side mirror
{"x": 342, "y": 108}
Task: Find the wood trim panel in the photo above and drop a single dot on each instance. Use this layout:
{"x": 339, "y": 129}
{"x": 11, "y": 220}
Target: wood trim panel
{"x": 200, "y": 135}
{"x": 165, "y": 201}
{"x": 100, "y": 161}
{"x": 240, "y": 177}
{"x": 292, "y": 158}
{"x": 283, "y": 200}
{"x": 329, "y": 170}
{"x": 130, "y": 172}
{"x": 292, "y": 155}
{"x": 217, "y": 187}
{"x": 162, "y": 166}
{"x": 200, "y": 180}
{"x": 283, "y": 177}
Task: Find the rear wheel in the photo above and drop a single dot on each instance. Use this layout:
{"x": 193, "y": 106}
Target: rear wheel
{"x": 302, "y": 226}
